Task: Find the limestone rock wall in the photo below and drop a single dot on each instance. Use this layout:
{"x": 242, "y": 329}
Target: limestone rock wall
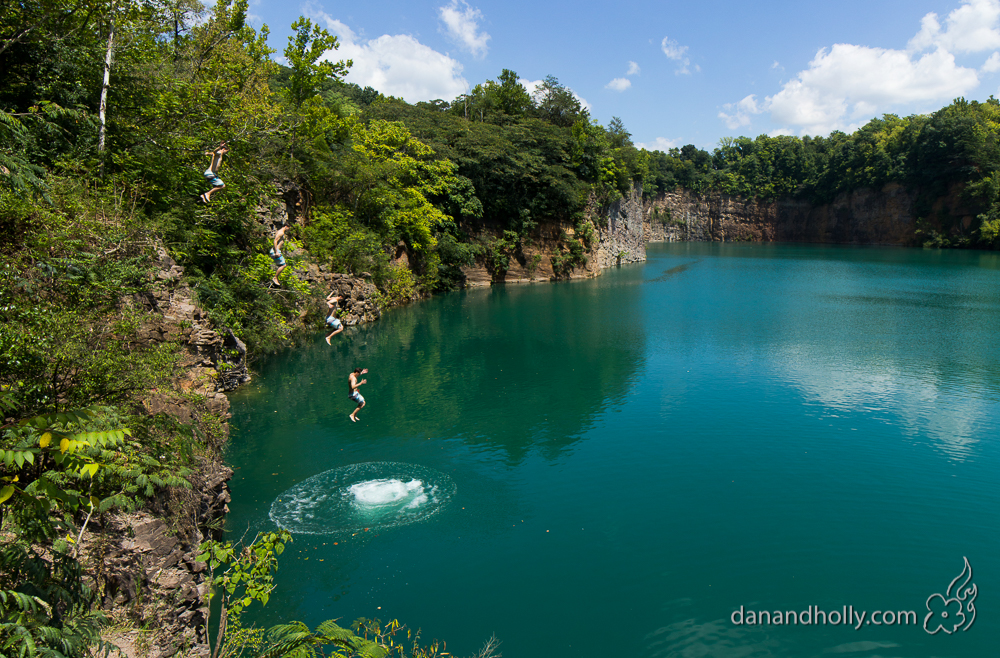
{"x": 684, "y": 216}
{"x": 863, "y": 216}
{"x": 532, "y": 261}
{"x": 140, "y": 561}
{"x": 618, "y": 238}
{"x": 620, "y": 227}
{"x": 358, "y": 304}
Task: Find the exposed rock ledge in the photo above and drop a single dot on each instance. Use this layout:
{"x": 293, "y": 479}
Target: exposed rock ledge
{"x": 886, "y": 216}
{"x": 620, "y": 240}
{"x": 145, "y": 568}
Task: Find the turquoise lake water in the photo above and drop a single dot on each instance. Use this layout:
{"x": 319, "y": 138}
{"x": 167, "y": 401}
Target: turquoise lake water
{"x": 616, "y": 466}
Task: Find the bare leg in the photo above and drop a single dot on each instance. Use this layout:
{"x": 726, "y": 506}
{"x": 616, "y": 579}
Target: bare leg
{"x": 208, "y": 195}
{"x": 355, "y": 412}
{"x": 275, "y": 279}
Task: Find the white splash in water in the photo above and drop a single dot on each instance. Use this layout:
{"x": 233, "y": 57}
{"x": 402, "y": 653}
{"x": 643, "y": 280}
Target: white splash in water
{"x": 372, "y": 495}
{"x": 385, "y": 492}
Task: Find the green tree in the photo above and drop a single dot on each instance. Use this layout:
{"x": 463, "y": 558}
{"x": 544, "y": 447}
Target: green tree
{"x": 303, "y": 52}
{"x": 555, "y": 103}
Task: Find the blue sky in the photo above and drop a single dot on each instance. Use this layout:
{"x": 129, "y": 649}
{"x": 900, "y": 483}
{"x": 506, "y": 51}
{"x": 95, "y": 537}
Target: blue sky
{"x": 676, "y": 72}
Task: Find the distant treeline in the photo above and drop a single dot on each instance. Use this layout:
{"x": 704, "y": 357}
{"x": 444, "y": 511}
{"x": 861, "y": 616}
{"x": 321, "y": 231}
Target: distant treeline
{"x": 547, "y": 152}
{"x": 952, "y": 151}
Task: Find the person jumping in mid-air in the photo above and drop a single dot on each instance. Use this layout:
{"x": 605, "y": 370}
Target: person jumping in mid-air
{"x": 279, "y": 260}
{"x": 332, "y": 320}
{"x": 212, "y": 173}
{"x": 353, "y": 385}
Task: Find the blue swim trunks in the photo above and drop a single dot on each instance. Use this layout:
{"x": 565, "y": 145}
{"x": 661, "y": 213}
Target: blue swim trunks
{"x": 212, "y": 178}
{"x": 356, "y": 397}
{"x": 333, "y": 322}
{"x": 279, "y": 260}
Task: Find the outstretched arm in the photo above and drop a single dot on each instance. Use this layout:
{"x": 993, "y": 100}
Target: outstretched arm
{"x": 219, "y": 152}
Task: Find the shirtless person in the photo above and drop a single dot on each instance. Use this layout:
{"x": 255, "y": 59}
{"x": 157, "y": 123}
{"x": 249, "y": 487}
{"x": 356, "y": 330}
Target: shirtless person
{"x": 353, "y": 384}
{"x": 212, "y": 173}
{"x": 275, "y": 253}
{"x": 332, "y": 319}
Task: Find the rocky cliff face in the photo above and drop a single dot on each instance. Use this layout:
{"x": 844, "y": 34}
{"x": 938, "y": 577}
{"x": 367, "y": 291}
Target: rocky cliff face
{"x": 144, "y": 566}
{"x": 620, "y": 227}
{"x": 358, "y": 294}
{"x": 532, "y": 260}
{"x": 143, "y": 563}
{"x": 618, "y": 238}
{"x": 864, "y": 216}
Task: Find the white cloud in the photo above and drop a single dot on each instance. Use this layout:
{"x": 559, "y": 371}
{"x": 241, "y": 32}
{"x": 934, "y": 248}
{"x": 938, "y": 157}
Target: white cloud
{"x": 678, "y": 53}
{"x": 858, "y": 81}
{"x": 462, "y": 23}
{"x": 972, "y": 28}
{"x": 532, "y": 87}
{"x": 740, "y": 112}
{"x": 846, "y": 85}
{"x": 619, "y": 84}
{"x": 396, "y": 65}
{"x": 672, "y": 49}
{"x": 659, "y": 144}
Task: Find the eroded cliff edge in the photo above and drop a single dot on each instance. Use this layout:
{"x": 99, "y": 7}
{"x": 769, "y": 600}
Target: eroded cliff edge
{"x": 608, "y": 235}
{"x": 864, "y": 216}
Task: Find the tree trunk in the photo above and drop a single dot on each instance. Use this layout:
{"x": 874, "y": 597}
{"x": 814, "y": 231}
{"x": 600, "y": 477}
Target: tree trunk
{"x": 104, "y": 89}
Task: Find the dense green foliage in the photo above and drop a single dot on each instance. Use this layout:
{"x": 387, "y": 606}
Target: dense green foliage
{"x": 60, "y": 469}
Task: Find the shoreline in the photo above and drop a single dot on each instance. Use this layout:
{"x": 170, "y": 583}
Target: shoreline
{"x": 160, "y": 564}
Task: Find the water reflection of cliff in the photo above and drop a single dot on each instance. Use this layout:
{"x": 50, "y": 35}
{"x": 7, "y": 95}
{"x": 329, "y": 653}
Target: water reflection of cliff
{"x": 504, "y": 368}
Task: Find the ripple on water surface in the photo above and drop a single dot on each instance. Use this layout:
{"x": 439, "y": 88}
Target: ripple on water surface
{"x": 372, "y": 495}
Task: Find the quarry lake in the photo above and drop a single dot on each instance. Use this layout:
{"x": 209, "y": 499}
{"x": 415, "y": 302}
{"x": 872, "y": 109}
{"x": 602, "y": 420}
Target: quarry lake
{"x": 632, "y": 465}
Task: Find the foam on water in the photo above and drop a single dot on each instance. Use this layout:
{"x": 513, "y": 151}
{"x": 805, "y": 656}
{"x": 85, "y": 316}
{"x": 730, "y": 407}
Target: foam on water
{"x": 384, "y": 492}
{"x": 371, "y": 495}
